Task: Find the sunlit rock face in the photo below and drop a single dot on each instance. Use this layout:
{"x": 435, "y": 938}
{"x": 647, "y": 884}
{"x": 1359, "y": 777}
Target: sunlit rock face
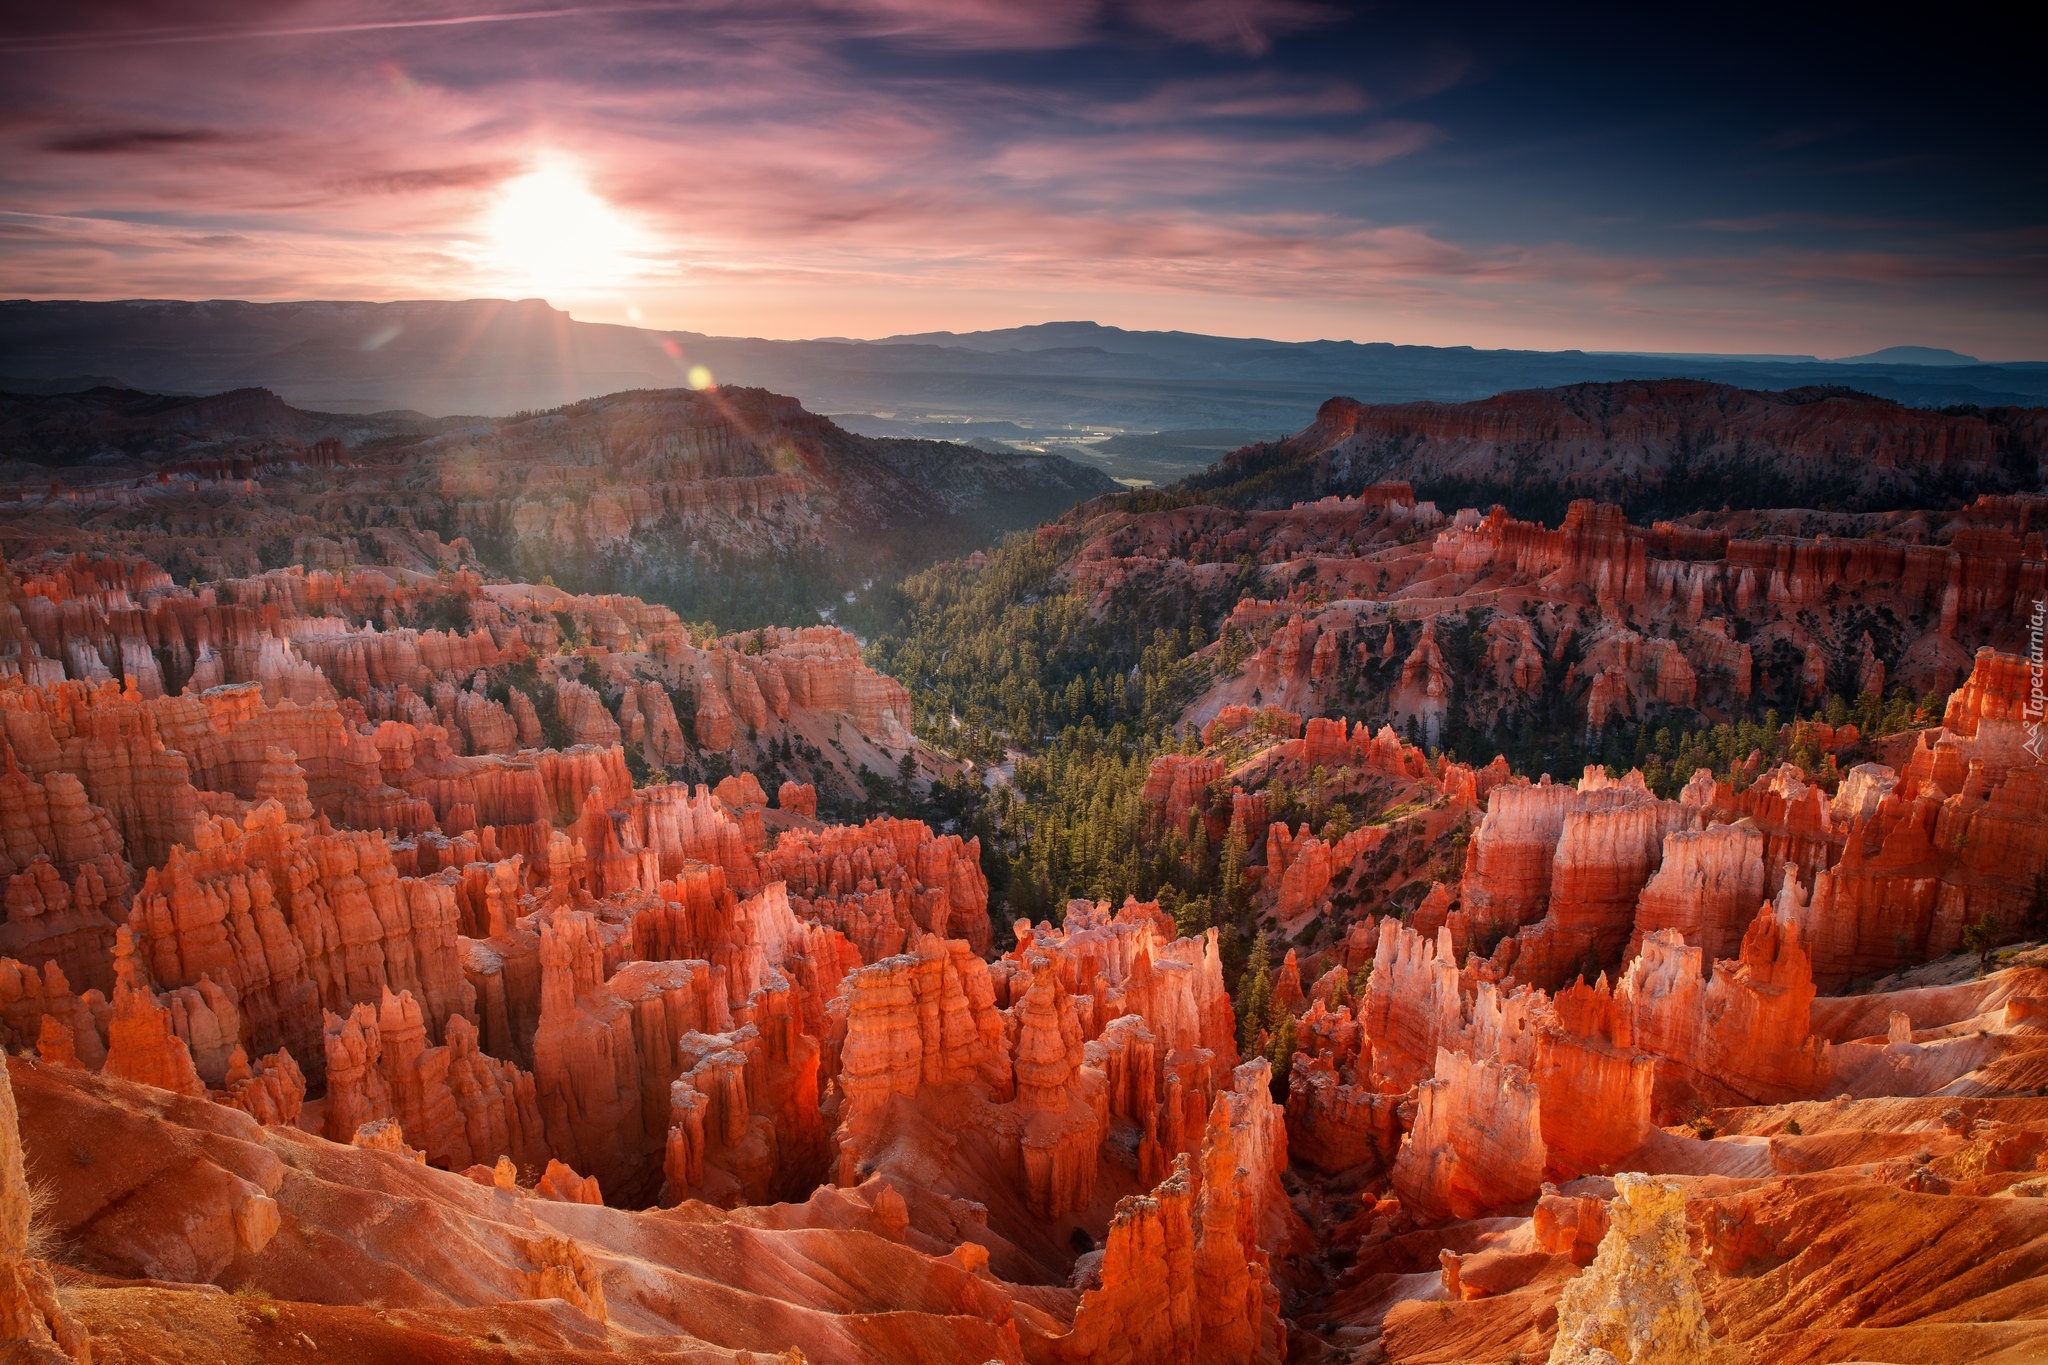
{"x": 357, "y": 953}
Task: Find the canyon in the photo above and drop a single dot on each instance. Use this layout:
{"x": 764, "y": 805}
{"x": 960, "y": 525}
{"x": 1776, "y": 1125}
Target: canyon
{"x": 406, "y": 960}
{"x": 327, "y": 885}
{"x": 728, "y": 502}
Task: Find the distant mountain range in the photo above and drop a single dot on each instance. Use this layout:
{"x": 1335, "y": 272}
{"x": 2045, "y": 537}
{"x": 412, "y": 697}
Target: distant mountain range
{"x": 1910, "y": 355}
{"x": 1062, "y": 384}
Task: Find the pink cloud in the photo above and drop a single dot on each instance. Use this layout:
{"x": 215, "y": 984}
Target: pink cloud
{"x": 776, "y": 175}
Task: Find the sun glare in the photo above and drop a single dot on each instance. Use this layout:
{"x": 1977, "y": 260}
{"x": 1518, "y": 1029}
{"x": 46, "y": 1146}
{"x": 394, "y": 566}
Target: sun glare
{"x": 549, "y": 234}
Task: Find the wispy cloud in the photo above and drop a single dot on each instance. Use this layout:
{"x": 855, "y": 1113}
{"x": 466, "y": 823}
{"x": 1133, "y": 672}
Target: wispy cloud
{"x": 86, "y": 40}
{"x": 1263, "y": 94}
{"x": 816, "y": 166}
{"x": 101, "y": 141}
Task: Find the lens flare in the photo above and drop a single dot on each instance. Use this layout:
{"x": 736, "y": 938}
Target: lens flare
{"x": 548, "y": 233}
{"x": 700, "y": 377}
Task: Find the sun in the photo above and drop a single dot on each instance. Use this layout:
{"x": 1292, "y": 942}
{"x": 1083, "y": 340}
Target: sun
{"x": 548, "y": 234}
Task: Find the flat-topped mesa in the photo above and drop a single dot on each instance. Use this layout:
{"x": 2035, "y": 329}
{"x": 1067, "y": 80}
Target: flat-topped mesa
{"x": 1477, "y": 1142}
{"x": 1741, "y": 1037}
{"x": 295, "y": 922}
{"x": 884, "y": 882}
{"x": 459, "y": 1106}
{"x": 1622, "y": 437}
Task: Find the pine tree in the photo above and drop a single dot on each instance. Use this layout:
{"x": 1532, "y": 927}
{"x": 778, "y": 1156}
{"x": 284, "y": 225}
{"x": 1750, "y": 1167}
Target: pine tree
{"x": 1231, "y": 880}
{"x": 1195, "y": 868}
{"x": 1282, "y": 1055}
{"x": 1340, "y": 993}
{"x": 1255, "y": 999}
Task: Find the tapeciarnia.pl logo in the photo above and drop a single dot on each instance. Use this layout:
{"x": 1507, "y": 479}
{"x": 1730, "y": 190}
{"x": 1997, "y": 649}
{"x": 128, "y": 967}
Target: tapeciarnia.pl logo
{"x": 2037, "y": 693}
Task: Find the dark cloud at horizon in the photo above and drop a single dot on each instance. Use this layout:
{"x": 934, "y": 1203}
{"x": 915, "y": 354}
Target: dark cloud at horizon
{"x": 1789, "y": 180}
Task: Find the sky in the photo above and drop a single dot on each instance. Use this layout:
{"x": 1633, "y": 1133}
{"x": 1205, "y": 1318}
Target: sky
{"x": 1785, "y": 179}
